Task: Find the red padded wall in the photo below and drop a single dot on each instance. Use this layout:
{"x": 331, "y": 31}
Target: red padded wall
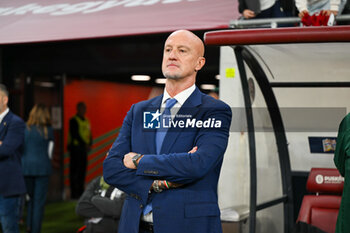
{"x": 107, "y": 104}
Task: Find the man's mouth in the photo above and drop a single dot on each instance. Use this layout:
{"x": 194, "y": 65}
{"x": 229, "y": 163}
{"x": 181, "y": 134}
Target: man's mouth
{"x": 172, "y": 65}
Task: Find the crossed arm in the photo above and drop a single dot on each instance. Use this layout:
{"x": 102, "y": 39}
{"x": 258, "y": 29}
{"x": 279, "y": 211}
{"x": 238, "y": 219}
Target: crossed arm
{"x": 178, "y": 168}
{"x": 163, "y": 184}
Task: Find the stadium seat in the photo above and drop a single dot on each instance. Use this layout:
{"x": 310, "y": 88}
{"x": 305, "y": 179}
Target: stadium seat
{"x": 320, "y": 209}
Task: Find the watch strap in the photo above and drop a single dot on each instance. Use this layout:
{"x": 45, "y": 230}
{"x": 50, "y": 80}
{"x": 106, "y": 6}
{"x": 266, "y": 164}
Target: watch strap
{"x": 135, "y": 158}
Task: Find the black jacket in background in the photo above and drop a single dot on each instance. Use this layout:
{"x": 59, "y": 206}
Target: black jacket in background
{"x": 254, "y": 5}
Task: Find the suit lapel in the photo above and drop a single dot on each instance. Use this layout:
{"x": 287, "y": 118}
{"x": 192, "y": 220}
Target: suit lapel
{"x": 190, "y": 108}
{"x": 151, "y": 134}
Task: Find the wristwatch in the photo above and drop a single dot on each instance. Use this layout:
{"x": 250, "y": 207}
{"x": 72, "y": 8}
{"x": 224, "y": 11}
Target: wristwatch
{"x": 135, "y": 158}
{"x": 156, "y": 187}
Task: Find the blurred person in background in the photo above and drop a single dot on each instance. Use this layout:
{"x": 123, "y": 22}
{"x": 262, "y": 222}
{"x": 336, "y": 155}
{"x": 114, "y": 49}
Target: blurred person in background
{"x": 36, "y": 164}
{"x": 101, "y": 205}
{"x": 315, "y": 6}
{"x": 12, "y": 185}
{"x": 79, "y": 143}
{"x": 264, "y": 8}
{"x": 342, "y": 162}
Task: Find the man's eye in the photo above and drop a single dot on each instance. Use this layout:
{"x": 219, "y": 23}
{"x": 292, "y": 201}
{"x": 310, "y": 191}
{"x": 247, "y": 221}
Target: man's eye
{"x": 182, "y": 51}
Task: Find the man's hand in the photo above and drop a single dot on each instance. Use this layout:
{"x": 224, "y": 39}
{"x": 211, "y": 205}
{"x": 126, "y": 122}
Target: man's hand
{"x": 302, "y": 13}
{"x": 0, "y": 143}
{"x": 248, "y": 14}
{"x": 328, "y": 12}
{"x": 172, "y": 185}
{"x": 194, "y": 149}
{"x": 335, "y": 13}
{"x": 128, "y": 160}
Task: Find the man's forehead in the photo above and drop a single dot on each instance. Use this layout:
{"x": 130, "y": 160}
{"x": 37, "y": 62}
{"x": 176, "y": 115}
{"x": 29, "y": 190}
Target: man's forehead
{"x": 179, "y": 45}
{"x": 183, "y": 38}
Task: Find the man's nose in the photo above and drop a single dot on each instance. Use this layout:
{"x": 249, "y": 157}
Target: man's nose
{"x": 173, "y": 55}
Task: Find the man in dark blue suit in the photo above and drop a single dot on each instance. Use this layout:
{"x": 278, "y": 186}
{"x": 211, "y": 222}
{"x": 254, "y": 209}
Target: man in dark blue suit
{"x": 11, "y": 178}
{"x": 171, "y": 173}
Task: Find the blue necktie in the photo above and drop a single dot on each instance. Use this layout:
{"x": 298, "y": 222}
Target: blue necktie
{"x": 166, "y": 115}
{"x": 160, "y": 135}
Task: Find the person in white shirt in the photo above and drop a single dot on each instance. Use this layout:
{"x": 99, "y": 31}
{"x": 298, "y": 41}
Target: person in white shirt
{"x": 314, "y": 6}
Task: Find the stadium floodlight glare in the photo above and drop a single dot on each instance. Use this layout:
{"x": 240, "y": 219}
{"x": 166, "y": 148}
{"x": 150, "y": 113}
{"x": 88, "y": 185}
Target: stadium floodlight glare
{"x": 208, "y": 86}
{"x": 160, "y": 80}
{"x": 140, "y": 77}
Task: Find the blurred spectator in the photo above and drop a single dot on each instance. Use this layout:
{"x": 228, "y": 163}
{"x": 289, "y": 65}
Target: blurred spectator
{"x": 79, "y": 143}
{"x": 101, "y": 205}
{"x": 36, "y": 164}
{"x": 214, "y": 93}
{"x": 12, "y": 185}
{"x": 264, "y": 8}
{"x": 311, "y": 7}
{"x": 342, "y": 162}
{"x": 345, "y": 11}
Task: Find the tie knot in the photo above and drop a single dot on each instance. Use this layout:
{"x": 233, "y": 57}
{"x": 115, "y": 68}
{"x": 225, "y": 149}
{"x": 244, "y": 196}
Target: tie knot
{"x": 170, "y": 103}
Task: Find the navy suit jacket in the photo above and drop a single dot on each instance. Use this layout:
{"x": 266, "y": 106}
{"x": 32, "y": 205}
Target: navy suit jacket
{"x": 12, "y": 136}
{"x": 191, "y": 208}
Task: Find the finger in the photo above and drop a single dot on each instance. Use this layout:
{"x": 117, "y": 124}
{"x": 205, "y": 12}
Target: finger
{"x": 194, "y": 149}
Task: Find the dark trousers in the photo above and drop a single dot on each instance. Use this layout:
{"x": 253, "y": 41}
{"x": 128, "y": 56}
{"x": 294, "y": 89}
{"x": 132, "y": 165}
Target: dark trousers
{"x": 9, "y": 213}
{"x": 272, "y": 12}
{"x": 37, "y": 187}
{"x": 106, "y": 225}
{"x": 78, "y": 161}
{"x": 145, "y": 228}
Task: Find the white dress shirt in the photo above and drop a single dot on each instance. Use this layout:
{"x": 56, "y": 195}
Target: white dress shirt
{"x": 181, "y": 99}
{"x": 3, "y": 114}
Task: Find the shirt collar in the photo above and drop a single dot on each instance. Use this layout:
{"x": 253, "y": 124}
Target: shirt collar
{"x": 3, "y": 114}
{"x": 181, "y": 97}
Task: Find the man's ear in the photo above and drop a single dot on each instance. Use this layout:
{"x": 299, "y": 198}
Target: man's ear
{"x": 200, "y": 63}
{"x": 6, "y": 99}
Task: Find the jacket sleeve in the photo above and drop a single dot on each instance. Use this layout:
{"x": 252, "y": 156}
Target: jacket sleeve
{"x": 185, "y": 167}
{"x": 13, "y": 139}
{"x": 301, "y": 5}
{"x": 114, "y": 171}
{"x": 108, "y": 207}
{"x": 85, "y": 207}
{"x": 334, "y": 5}
{"x": 242, "y": 6}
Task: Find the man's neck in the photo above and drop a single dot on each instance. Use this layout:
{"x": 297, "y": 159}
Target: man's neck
{"x": 174, "y": 87}
{"x": 3, "y": 113}
{"x": 81, "y": 116}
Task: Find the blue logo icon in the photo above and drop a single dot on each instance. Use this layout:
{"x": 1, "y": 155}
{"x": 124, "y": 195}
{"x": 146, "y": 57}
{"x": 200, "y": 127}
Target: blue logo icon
{"x": 151, "y": 120}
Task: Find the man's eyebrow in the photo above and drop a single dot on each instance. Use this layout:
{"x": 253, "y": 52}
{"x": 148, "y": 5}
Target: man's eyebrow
{"x": 184, "y": 46}
{"x": 178, "y": 47}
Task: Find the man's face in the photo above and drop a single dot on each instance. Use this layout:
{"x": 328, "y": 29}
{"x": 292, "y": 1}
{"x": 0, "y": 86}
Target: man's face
{"x": 181, "y": 56}
{"x": 3, "y": 102}
{"x": 81, "y": 110}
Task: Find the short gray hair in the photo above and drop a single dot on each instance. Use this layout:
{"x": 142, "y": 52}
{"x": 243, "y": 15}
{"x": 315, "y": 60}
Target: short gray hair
{"x": 3, "y": 88}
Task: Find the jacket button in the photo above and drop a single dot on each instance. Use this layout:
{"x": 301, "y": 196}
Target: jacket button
{"x": 141, "y": 206}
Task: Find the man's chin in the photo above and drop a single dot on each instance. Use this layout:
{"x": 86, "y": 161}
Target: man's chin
{"x": 172, "y": 76}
